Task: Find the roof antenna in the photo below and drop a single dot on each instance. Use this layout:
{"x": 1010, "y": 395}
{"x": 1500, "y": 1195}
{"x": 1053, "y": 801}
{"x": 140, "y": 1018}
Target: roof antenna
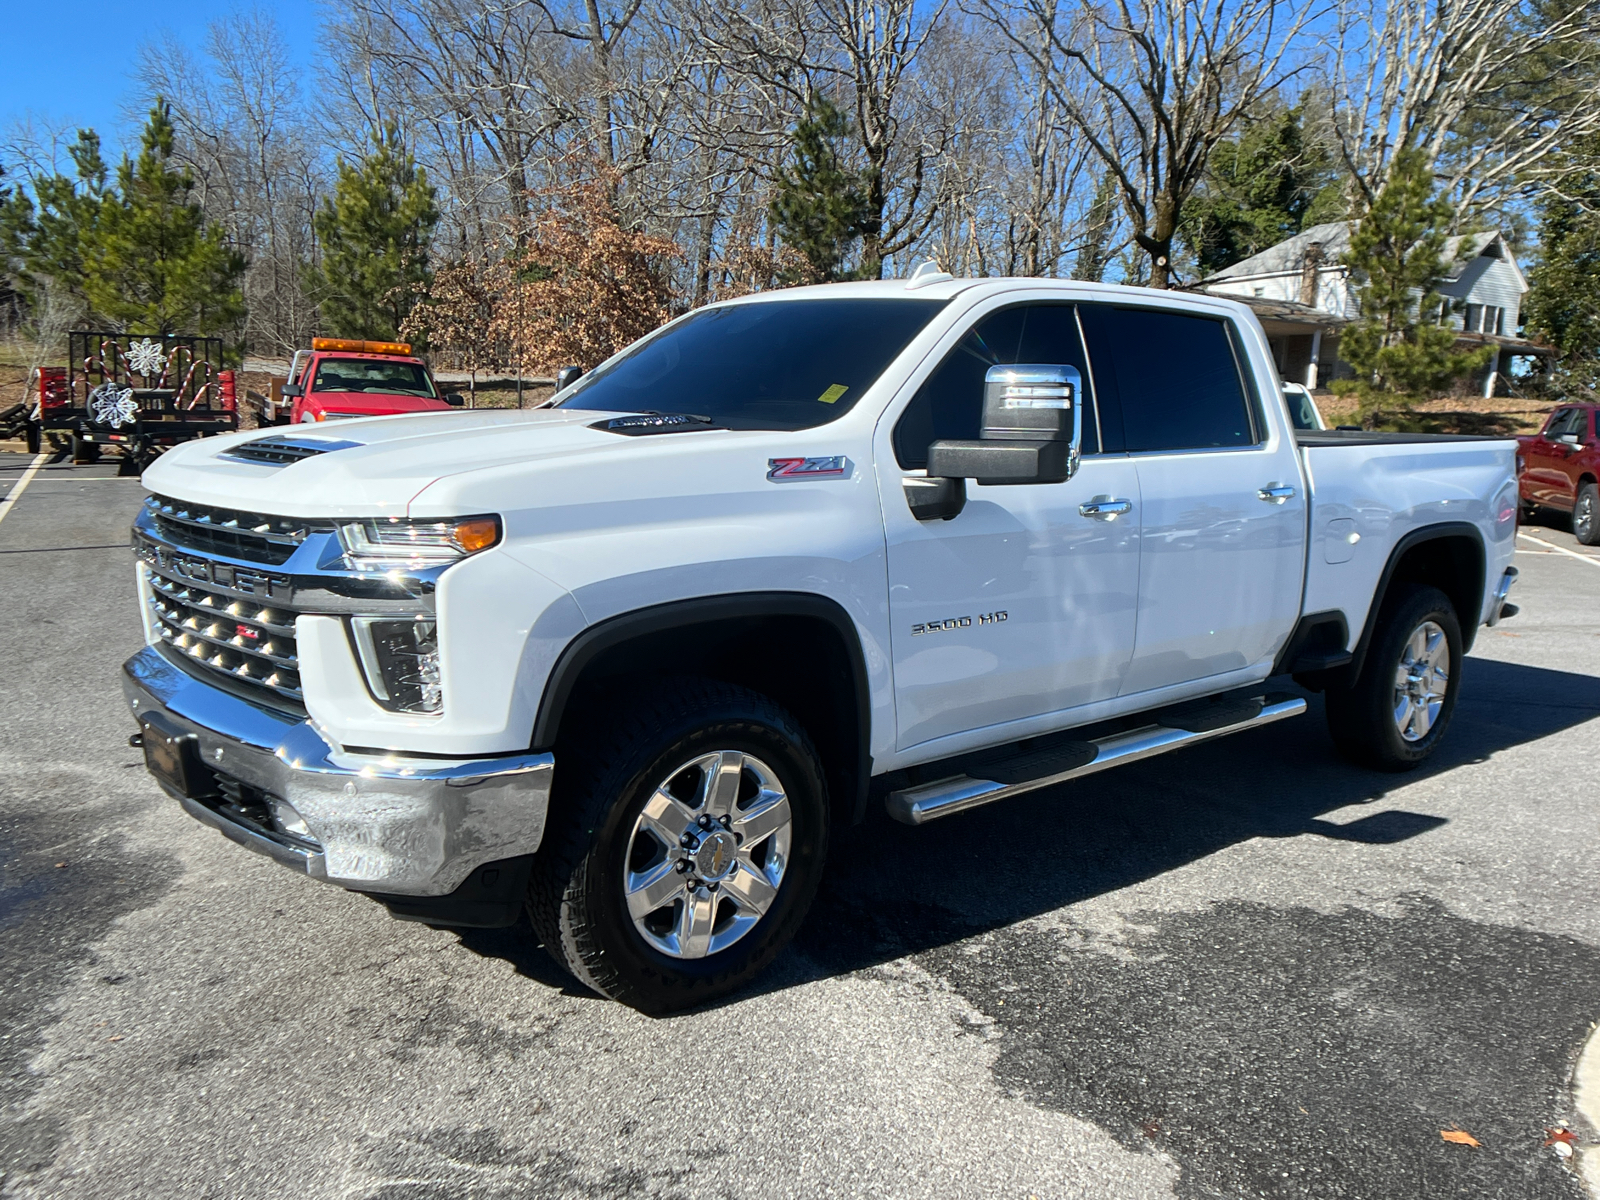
{"x": 927, "y": 273}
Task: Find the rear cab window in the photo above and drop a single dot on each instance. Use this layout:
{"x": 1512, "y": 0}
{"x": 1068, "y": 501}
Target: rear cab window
{"x": 1170, "y": 381}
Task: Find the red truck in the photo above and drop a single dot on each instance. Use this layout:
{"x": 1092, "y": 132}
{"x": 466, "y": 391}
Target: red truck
{"x": 1557, "y": 468}
{"x": 344, "y": 377}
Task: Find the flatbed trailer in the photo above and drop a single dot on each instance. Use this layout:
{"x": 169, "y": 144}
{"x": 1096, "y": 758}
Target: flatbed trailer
{"x": 139, "y": 395}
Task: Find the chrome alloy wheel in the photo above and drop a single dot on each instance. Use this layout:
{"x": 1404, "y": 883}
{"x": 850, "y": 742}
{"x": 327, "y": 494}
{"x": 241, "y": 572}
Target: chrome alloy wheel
{"x": 1583, "y": 515}
{"x": 1421, "y": 680}
{"x": 707, "y": 854}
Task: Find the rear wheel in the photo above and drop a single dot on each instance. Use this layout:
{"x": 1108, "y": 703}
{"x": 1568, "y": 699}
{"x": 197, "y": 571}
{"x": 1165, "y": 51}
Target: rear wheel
{"x": 1586, "y": 515}
{"x": 1397, "y": 711}
{"x": 686, "y": 843}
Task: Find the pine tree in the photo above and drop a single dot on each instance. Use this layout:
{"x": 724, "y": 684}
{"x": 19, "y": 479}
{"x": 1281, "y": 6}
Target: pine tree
{"x": 1398, "y": 355}
{"x": 44, "y": 245}
{"x": 820, "y": 207}
{"x": 375, "y": 231}
{"x": 1262, "y": 187}
{"x": 151, "y": 264}
{"x": 1095, "y": 253}
{"x": 1563, "y": 305}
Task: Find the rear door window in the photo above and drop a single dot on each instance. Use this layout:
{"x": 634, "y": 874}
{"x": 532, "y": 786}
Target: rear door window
{"x": 1175, "y": 377}
{"x": 949, "y": 404}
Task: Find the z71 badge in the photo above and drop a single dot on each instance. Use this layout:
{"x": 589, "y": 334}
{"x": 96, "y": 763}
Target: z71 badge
{"x": 783, "y": 470}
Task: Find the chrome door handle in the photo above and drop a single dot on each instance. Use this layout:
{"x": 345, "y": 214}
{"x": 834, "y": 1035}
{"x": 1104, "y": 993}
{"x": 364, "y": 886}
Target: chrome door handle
{"x": 1275, "y": 493}
{"x": 1104, "y": 508}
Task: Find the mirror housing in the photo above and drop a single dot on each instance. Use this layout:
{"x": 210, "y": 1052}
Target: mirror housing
{"x": 1032, "y": 429}
{"x": 567, "y": 376}
{"x": 455, "y": 399}
{"x": 933, "y": 498}
{"x": 1569, "y": 439}
{"x": 292, "y": 390}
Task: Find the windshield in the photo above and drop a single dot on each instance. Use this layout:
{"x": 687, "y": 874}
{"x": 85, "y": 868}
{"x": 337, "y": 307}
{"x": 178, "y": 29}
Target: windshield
{"x": 779, "y": 364}
{"x": 372, "y": 375}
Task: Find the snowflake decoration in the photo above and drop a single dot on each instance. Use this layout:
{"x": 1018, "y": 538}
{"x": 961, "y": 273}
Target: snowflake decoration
{"x": 146, "y": 357}
{"x": 113, "y": 406}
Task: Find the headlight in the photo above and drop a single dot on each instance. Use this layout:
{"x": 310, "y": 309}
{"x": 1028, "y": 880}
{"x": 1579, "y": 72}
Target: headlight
{"x": 401, "y": 662}
{"x": 384, "y": 543}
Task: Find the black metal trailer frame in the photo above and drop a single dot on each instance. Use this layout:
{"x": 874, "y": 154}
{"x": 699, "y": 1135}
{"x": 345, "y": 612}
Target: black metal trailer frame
{"x": 139, "y": 394}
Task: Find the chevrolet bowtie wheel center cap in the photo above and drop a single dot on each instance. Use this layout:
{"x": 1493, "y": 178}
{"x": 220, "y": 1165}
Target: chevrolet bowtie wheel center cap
{"x": 714, "y": 861}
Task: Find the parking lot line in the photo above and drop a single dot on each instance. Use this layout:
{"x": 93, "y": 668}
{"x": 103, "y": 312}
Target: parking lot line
{"x": 9, "y": 500}
{"x": 1592, "y": 561}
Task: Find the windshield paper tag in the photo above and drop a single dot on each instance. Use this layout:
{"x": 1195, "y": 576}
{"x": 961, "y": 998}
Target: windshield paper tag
{"x": 833, "y": 393}
{"x": 782, "y": 470}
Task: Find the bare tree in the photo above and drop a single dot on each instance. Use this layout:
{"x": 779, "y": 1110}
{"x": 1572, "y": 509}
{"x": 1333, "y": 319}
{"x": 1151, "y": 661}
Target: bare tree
{"x": 247, "y": 138}
{"x": 1154, "y": 85}
{"x": 1486, "y": 90}
{"x": 863, "y": 53}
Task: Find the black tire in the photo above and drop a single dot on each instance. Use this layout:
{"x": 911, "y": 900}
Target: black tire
{"x": 602, "y": 783}
{"x": 1586, "y": 515}
{"x": 1362, "y": 718}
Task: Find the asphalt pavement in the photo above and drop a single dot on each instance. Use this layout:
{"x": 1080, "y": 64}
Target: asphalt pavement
{"x": 1246, "y": 969}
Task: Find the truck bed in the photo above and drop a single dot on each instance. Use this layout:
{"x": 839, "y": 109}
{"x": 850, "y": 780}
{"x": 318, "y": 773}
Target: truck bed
{"x": 1369, "y": 490}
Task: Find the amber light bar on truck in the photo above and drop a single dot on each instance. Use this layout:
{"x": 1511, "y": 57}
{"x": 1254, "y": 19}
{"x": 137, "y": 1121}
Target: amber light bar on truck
{"x": 356, "y": 346}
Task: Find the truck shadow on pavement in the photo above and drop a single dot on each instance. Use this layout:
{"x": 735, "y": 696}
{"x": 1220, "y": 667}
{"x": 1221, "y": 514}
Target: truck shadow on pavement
{"x": 900, "y": 890}
{"x": 896, "y": 891}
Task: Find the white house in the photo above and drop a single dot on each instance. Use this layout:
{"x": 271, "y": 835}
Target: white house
{"x": 1303, "y": 295}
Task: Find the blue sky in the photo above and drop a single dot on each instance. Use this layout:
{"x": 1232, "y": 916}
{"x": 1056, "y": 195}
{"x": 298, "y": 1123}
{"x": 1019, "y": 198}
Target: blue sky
{"x": 71, "y": 61}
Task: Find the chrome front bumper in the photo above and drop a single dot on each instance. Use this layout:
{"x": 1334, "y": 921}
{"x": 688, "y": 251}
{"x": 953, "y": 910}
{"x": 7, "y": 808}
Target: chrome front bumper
{"x": 377, "y": 823}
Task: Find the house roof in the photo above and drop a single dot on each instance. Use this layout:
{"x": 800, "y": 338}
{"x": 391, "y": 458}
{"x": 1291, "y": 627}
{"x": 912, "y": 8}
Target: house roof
{"x": 1287, "y": 257}
{"x": 1291, "y": 311}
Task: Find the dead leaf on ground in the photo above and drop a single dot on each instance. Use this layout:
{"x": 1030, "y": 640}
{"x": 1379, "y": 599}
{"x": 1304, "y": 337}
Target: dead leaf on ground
{"x": 1459, "y": 1136}
{"x": 1552, "y": 1136}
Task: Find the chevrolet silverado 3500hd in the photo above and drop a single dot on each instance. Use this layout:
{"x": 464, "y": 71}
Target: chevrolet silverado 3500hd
{"x": 624, "y": 662}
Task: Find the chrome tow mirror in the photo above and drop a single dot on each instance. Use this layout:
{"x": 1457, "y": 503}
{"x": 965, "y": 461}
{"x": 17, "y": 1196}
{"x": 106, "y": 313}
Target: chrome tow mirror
{"x": 1032, "y": 429}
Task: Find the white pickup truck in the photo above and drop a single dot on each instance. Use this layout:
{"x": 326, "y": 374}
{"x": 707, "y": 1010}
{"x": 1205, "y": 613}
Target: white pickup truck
{"x": 626, "y": 663}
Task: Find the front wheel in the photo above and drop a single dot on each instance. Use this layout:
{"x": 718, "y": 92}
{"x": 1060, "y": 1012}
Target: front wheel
{"x": 1396, "y": 712}
{"x": 686, "y": 842}
{"x": 1586, "y": 515}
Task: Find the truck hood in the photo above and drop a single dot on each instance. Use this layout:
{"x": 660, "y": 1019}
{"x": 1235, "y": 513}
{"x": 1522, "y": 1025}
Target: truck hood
{"x": 376, "y": 466}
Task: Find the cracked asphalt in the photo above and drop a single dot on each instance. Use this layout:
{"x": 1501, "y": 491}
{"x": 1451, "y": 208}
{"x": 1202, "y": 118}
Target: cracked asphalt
{"x": 1243, "y": 970}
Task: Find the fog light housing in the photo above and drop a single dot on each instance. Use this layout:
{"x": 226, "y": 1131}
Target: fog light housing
{"x": 286, "y": 820}
{"x": 400, "y": 658}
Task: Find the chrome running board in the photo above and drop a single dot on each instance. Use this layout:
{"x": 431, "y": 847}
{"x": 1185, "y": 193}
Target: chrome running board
{"x": 918, "y": 805}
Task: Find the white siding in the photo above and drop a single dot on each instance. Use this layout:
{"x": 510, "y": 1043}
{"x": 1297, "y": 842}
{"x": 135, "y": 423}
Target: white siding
{"x": 1334, "y": 295}
{"x": 1491, "y": 281}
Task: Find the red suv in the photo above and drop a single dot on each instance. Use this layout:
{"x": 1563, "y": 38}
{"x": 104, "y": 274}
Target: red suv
{"x": 340, "y": 377}
{"x": 1558, "y": 468}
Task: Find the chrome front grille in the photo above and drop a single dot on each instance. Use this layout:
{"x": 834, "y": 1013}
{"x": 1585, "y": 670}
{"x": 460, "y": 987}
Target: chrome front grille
{"x": 249, "y": 641}
{"x": 254, "y": 537}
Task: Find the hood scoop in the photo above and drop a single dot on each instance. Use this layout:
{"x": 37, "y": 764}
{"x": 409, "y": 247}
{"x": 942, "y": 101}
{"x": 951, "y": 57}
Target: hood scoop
{"x": 646, "y": 423}
{"x": 282, "y": 451}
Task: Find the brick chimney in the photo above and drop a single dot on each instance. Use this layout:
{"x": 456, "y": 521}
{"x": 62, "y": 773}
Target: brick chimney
{"x": 1308, "y": 274}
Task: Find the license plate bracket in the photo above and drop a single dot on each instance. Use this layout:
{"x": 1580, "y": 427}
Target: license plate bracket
{"x": 173, "y": 757}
